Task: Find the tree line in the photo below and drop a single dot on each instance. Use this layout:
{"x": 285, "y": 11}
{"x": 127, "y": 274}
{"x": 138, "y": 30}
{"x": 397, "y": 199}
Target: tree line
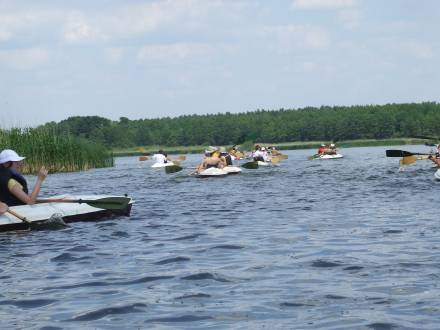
{"x": 284, "y": 125}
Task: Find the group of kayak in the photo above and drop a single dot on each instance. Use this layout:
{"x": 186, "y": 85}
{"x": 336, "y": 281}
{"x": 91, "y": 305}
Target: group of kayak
{"x": 218, "y": 161}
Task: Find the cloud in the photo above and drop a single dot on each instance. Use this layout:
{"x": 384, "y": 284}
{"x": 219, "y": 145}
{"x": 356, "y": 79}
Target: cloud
{"x": 323, "y": 4}
{"x": 290, "y": 37}
{"x": 350, "y": 18}
{"x": 417, "y": 49}
{"x": 24, "y": 59}
{"x": 77, "y": 29}
{"x": 173, "y": 53}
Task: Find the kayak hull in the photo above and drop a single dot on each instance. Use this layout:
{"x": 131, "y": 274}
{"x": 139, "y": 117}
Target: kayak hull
{"x": 437, "y": 174}
{"x": 69, "y": 212}
{"x": 232, "y": 169}
{"x": 212, "y": 172}
{"x": 160, "y": 165}
{"x": 335, "y": 156}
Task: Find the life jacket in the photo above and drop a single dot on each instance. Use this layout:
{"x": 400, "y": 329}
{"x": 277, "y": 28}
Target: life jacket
{"x": 5, "y": 195}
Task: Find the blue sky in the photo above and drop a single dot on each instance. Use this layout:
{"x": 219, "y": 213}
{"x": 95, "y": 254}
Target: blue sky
{"x": 149, "y": 59}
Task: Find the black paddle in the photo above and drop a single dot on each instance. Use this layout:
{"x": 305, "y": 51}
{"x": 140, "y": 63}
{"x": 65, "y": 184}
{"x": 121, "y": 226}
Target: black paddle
{"x": 402, "y": 153}
{"x": 250, "y": 165}
{"x": 107, "y": 203}
{"x": 173, "y": 169}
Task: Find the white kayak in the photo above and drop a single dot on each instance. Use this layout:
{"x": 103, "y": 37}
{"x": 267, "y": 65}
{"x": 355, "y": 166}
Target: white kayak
{"x": 212, "y": 171}
{"x": 160, "y": 165}
{"x": 437, "y": 174}
{"x": 68, "y": 211}
{"x": 232, "y": 169}
{"x": 334, "y": 156}
{"x": 260, "y": 163}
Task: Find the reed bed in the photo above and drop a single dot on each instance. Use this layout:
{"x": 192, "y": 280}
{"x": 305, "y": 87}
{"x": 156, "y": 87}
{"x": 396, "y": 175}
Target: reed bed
{"x": 56, "y": 153}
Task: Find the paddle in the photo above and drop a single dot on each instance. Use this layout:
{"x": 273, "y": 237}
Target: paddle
{"x": 143, "y": 158}
{"x": 250, "y": 165}
{"x": 402, "y": 153}
{"x": 15, "y": 214}
{"x": 173, "y": 169}
{"x": 107, "y": 203}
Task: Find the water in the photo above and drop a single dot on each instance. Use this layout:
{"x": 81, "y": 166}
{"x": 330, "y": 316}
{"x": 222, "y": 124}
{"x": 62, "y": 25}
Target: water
{"x": 337, "y": 244}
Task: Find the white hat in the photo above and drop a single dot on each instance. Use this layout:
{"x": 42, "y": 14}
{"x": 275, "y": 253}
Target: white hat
{"x": 263, "y": 148}
{"x": 9, "y": 155}
{"x": 210, "y": 150}
{"x": 323, "y": 145}
{"x": 332, "y": 145}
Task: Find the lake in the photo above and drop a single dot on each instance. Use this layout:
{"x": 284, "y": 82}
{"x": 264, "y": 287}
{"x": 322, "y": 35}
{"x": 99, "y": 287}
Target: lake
{"x": 337, "y": 244}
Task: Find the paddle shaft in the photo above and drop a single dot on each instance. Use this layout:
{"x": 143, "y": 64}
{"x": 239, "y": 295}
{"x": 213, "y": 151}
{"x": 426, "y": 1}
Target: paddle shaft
{"x": 15, "y": 214}
{"x": 109, "y": 203}
{"x": 403, "y": 153}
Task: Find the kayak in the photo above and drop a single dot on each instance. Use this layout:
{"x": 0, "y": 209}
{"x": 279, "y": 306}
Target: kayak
{"x": 437, "y": 174}
{"x": 232, "y": 169}
{"x": 212, "y": 171}
{"x": 160, "y": 165}
{"x": 69, "y": 212}
{"x": 335, "y": 156}
{"x": 260, "y": 163}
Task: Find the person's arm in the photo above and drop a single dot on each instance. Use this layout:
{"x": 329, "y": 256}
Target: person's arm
{"x": 18, "y": 192}
{"x": 434, "y": 160}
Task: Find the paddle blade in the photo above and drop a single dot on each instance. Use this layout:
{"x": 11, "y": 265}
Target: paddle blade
{"x": 173, "y": 169}
{"x": 181, "y": 158}
{"x": 408, "y": 160}
{"x": 275, "y": 160}
{"x": 109, "y": 203}
{"x": 398, "y": 153}
{"x": 250, "y": 165}
{"x": 143, "y": 158}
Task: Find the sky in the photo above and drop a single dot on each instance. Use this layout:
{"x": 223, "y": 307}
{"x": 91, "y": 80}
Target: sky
{"x": 166, "y": 58}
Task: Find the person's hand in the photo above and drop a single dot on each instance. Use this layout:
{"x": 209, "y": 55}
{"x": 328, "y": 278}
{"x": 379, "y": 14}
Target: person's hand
{"x": 3, "y": 208}
{"x": 42, "y": 174}
{"x": 430, "y": 157}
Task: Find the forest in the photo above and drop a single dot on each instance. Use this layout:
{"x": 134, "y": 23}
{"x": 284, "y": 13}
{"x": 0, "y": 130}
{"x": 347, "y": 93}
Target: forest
{"x": 325, "y": 123}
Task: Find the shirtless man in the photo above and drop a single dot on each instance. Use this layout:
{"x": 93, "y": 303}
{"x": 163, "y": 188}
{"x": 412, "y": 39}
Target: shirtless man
{"x": 213, "y": 160}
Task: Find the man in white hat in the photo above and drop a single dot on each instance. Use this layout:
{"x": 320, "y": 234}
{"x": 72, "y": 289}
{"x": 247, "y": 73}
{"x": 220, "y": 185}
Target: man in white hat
{"x": 13, "y": 186}
{"x": 212, "y": 159}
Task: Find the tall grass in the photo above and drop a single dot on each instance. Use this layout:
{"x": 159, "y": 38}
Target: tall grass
{"x": 56, "y": 153}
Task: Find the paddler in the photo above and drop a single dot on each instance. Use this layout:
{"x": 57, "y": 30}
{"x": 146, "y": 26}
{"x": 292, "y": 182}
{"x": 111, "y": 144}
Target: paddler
{"x": 257, "y": 155}
{"x": 225, "y": 156}
{"x": 321, "y": 149}
{"x": 332, "y": 149}
{"x": 161, "y": 157}
{"x": 13, "y": 186}
{"x": 434, "y": 159}
{"x": 212, "y": 159}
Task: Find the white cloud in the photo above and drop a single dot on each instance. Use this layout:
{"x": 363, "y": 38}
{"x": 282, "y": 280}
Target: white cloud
{"x": 323, "y": 4}
{"x": 417, "y": 49}
{"x": 173, "y": 53}
{"x": 24, "y": 59}
{"x": 114, "y": 55}
{"x": 77, "y": 29}
{"x": 350, "y": 18}
{"x": 290, "y": 37}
